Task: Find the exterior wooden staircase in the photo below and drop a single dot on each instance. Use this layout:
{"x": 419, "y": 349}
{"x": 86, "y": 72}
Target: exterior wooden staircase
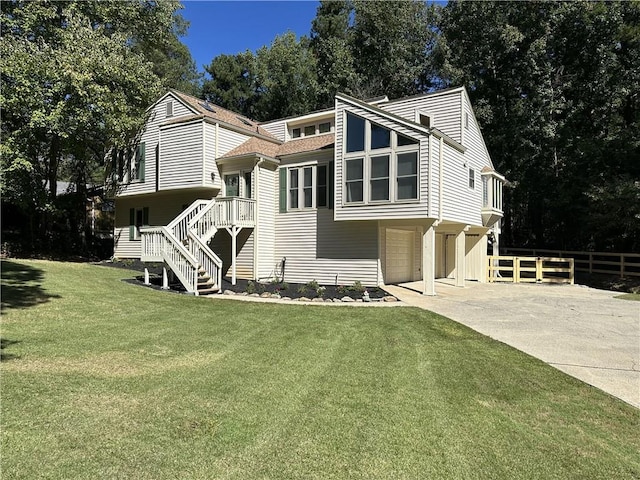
{"x": 183, "y": 245}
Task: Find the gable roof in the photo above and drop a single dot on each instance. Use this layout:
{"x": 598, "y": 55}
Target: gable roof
{"x": 257, "y": 146}
{"x": 216, "y": 112}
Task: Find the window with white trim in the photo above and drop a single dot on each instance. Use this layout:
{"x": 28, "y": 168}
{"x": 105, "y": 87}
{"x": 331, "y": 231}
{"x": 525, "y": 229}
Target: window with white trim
{"x": 308, "y": 187}
{"x": 310, "y": 129}
{"x": 380, "y": 164}
{"x": 472, "y": 178}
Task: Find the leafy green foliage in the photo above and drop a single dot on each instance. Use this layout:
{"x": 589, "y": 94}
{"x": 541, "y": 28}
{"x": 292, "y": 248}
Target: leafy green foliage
{"x": 77, "y": 78}
{"x": 555, "y": 88}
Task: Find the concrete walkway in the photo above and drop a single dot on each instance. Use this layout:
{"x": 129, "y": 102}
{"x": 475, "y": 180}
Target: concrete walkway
{"x": 581, "y": 331}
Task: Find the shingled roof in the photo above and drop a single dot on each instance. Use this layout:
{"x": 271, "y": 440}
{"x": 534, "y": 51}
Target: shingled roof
{"x": 220, "y": 114}
{"x": 259, "y": 146}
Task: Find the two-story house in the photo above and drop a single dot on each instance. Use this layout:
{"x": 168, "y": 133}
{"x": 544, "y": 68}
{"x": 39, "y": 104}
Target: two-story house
{"x": 379, "y": 191}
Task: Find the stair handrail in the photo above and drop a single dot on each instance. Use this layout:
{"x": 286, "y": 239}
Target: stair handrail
{"x": 193, "y": 223}
{"x": 206, "y": 257}
{"x": 179, "y": 226}
{"x": 181, "y": 261}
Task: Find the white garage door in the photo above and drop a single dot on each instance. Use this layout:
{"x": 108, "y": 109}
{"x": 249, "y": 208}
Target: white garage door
{"x": 399, "y": 256}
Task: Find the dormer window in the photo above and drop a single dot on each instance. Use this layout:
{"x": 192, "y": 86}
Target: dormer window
{"x": 295, "y": 133}
{"x": 170, "y": 108}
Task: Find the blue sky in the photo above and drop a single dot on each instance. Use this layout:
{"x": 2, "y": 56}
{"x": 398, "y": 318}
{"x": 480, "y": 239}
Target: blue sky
{"x": 235, "y": 26}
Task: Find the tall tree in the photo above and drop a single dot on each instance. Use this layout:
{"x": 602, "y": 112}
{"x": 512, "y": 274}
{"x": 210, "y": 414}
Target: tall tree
{"x": 233, "y": 83}
{"x": 555, "y": 85}
{"x": 74, "y": 84}
{"x": 278, "y": 81}
{"x": 286, "y": 74}
{"x": 391, "y": 43}
{"x": 331, "y": 42}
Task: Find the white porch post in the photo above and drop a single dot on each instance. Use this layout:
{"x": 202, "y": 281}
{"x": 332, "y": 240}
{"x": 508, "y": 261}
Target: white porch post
{"x": 146, "y": 276}
{"x": 429, "y": 261}
{"x": 165, "y": 278}
{"x": 459, "y": 258}
{"x": 233, "y": 231}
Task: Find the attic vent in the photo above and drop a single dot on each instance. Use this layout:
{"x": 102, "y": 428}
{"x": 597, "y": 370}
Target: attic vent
{"x": 170, "y": 108}
{"x": 207, "y": 107}
{"x": 245, "y": 121}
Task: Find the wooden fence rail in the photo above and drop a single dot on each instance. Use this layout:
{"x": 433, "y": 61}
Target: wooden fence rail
{"x": 622, "y": 264}
{"x": 530, "y": 269}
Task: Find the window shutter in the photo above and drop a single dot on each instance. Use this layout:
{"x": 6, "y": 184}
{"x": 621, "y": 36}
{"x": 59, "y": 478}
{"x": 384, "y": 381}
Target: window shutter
{"x": 283, "y": 190}
{"x": 145, "y": 216}
{"x": 132, "y": 223}
{"x": 141, "y": 161}
{"x": 330, "y": 200}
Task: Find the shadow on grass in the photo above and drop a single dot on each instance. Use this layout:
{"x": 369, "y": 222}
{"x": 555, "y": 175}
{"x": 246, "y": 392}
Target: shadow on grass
{"x": 4, "y": 343}
{"x": 21, "y": 286}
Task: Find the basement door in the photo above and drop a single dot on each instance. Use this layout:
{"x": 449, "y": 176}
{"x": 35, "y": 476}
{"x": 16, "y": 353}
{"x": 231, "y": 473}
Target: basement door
{"x": 399, "y": 255}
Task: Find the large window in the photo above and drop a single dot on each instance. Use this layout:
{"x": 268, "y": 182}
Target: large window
{"x": 380, "y": 165}
{"x": 379, "y": 182}
{"x": 355, "y": 179}
{"x": 407, "y": 176}
{"x": 306, "y": 184}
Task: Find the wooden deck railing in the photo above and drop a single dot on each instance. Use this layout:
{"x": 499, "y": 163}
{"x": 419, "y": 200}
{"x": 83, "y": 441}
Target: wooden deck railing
{"x": 530, "y": 269}
{"x": 622, "y": 264}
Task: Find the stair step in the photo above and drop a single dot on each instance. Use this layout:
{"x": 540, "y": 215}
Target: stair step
{"x": 204, "y": 284}
{"x": 206, "y": 291}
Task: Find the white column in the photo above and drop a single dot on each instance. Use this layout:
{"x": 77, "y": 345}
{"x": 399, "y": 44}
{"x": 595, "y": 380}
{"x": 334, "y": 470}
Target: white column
{"x": 234, "y": 237}
{"x": 429, "y": 261}
{"x": 146, "y": 276}
{"x": 459, "y": 258}
{"x": 165, "y": 278}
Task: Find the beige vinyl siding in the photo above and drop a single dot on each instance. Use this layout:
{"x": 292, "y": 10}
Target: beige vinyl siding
{"x": 181, "y": 156}
{"x": 445, "y": 108}
{"x": 460, "y": 203}
{"x": 163, "y": 208}
{"x": 211, "y": 172}
{"x": 266, "y": 187}
{"x": 379, "y": 211}
{"x": 228, "y": 140}
{"x": 150, "y": 137}
{"x": 434, "y": 205}
{"x": 317, "y": 248}
{"x": 179, "y": 108}
{"x": 277, "y": 129}
{"x": 476, "y": 149}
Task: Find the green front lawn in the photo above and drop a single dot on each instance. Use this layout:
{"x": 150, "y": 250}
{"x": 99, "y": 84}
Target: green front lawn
{"x": 630, "y": 296}
{"x": 102, "y": 379}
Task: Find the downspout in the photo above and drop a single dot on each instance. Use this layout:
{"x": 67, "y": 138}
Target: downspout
{"x": 429, "y": 177}
{"x": 217, "y": 127}
{"x": 204, "y": 154}
{"x": 256, "y": 169}
{"x": 440, "y": 178}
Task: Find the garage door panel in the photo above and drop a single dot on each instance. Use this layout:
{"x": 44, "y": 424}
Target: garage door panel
{"x": 399, "y": 255}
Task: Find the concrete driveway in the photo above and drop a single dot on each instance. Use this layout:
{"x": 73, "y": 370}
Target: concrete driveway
{"x": 581, "y": 331}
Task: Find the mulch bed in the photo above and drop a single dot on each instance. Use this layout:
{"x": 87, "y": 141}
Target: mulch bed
{"x": 293, "y": 291}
